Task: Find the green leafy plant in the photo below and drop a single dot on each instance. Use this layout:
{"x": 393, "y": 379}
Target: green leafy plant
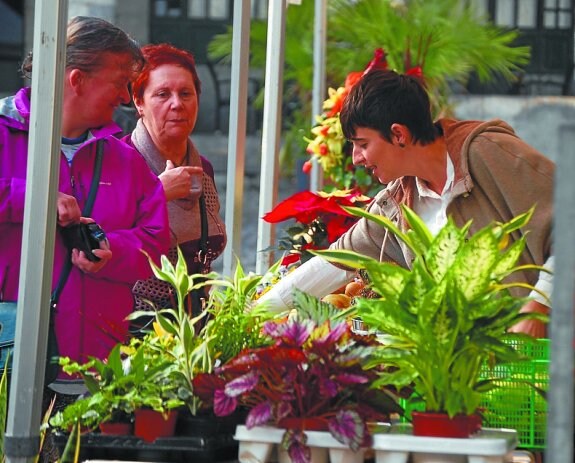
{"x": 311, "y": 369}
{"x": 233, "y": 324}
{"x": 137, "y": 375}
{"x": 445, "y": 318}
{"x": 176, "y": 331}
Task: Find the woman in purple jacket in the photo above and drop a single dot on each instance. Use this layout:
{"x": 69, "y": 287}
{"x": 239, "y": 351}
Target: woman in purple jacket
{"x": 129, "y": 206}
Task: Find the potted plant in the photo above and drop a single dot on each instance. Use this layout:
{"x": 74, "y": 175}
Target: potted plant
{"x": 196, "y": 344}
{"x": 230, "y": 328}
{"x": 134, "y": 377}
{"x": 441, "y": 321}
{"x": 310, "y": 376}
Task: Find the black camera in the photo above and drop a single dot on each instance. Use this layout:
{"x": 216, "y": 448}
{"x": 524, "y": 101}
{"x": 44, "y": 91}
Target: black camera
{"x": 84, "y": 237}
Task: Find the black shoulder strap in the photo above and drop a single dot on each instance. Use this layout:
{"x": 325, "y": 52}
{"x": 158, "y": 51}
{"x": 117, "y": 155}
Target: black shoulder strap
{"x": 203, "y": 252}
{"x": 85, "y": 213}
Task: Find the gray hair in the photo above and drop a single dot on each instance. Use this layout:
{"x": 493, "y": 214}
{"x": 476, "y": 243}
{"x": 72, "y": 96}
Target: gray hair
{"x": 87, "y": 39}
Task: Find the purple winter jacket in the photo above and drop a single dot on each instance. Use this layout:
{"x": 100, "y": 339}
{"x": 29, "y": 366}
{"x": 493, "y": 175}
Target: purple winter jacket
{"x": 130, "y": 206}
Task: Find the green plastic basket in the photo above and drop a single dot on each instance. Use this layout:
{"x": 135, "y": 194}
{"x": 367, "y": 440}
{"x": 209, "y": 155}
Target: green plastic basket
{"x": 517, "y": 405}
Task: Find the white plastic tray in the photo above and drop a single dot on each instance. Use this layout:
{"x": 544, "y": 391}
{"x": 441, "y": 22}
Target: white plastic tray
{"x": 392, "y": 444}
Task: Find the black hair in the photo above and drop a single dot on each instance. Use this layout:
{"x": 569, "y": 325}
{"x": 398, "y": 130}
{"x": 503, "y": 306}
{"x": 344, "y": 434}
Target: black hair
{"x": 382, "y": 98}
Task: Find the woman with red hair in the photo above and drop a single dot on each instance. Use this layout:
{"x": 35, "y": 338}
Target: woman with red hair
{"x": 166, "y": 95}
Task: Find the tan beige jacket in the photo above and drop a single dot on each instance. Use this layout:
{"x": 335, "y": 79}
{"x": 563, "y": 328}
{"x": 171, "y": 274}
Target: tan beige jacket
{"x": 497, "y": 176}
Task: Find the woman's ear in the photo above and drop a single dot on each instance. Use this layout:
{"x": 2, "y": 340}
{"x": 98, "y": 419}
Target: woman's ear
{"x": 75, "y": 80}
{"x": 138, "y": 105}
{"x": 400, "y": 134}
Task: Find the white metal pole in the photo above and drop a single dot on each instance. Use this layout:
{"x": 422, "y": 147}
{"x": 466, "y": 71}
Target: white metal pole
{"x": 560, "y": 400}
{"x": 271, "y": 129}
{"x": 24, "y": 412}
{"x": 319, "y": 58}
{"x": 237, "y": 133}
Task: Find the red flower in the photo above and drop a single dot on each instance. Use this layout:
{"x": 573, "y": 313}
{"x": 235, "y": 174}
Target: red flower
{"x": 337, "y": 226}
{"x": 415, "y": 72}
{"x": 290, "y": 259}
{"x": 379, "y": 61}
{"x": 306, "y": 168}
{"x": 323, "y": 150}
{"x": 306, "y": 206}
{"x": 352, "y": 78}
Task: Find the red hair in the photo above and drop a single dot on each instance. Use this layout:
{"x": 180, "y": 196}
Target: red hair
{"x": 157, "y": 55}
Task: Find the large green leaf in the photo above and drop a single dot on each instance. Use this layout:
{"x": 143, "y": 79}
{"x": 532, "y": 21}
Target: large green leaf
{"x": 472, "y": 269}
{"x": 443, "y": 251}
{"x": 344, "y": 257}
{"x": 388, "y": 280}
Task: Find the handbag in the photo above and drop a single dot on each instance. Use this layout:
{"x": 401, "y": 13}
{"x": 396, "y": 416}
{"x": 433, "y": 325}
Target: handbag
{"x": 160, "y": 294}
{"x": 8, "y": 310}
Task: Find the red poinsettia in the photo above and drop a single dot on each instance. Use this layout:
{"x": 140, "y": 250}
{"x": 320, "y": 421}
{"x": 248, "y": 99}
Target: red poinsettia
{"x": 307, "y": 206}
{"x": 320, "y": 220}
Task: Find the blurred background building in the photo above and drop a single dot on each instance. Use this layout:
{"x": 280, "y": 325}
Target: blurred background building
{"x": 545, "y": 25}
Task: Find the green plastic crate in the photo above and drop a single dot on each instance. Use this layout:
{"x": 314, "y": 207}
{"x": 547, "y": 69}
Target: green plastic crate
{"x": 517, "y": 405}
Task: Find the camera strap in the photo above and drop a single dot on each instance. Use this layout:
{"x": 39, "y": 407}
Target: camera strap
{"x": 86, "y": 211}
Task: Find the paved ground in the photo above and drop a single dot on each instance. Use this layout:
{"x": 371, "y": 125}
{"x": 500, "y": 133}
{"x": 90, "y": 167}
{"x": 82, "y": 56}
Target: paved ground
{"x": 215, "y": 148}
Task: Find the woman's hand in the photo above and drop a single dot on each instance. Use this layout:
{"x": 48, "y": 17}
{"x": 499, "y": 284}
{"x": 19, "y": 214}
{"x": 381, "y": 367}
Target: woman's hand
{"x": 177, "y": 181}
{"x": 80, "y": 260}
{"x": 67, "y": 209}
{"x": 535, "y": 328}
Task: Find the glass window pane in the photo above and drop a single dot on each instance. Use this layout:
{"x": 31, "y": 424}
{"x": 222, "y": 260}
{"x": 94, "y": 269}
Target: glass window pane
{"x": 550, "y": 3}
{"x": 161, "y": 8}
{"x": 565, "y": 4}
{"x": 196, "y": 9}
{"x": 171, "y": 8}
{"x": 527, "y": 14}
{"x": 504, "y": 13}
{"x": 549, "y": 20}
{"x": 564, "y": 20}
{"x": 218, "y": 9}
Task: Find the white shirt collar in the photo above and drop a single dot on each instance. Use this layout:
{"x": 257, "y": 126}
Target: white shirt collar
{"x": 424, "y": 190}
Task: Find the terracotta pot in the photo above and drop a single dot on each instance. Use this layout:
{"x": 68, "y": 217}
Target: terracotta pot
{"x": 116, "y": 428}
{"x": 151, "y": 425}
{"x": 305, "y": 423}
{"x": 440, "y": 425}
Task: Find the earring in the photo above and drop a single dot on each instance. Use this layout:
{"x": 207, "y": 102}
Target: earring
{"x": 401, "y": 145}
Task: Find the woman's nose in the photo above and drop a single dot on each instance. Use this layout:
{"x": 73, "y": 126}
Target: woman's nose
{"x": 357, "y": 156}
{"x": 176, "y": 101}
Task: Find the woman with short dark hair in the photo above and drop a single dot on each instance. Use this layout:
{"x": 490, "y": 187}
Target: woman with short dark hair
{"x": 469, "y": 170}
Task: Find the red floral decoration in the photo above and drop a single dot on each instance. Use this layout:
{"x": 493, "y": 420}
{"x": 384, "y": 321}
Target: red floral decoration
{"x": 320, "y": 220}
